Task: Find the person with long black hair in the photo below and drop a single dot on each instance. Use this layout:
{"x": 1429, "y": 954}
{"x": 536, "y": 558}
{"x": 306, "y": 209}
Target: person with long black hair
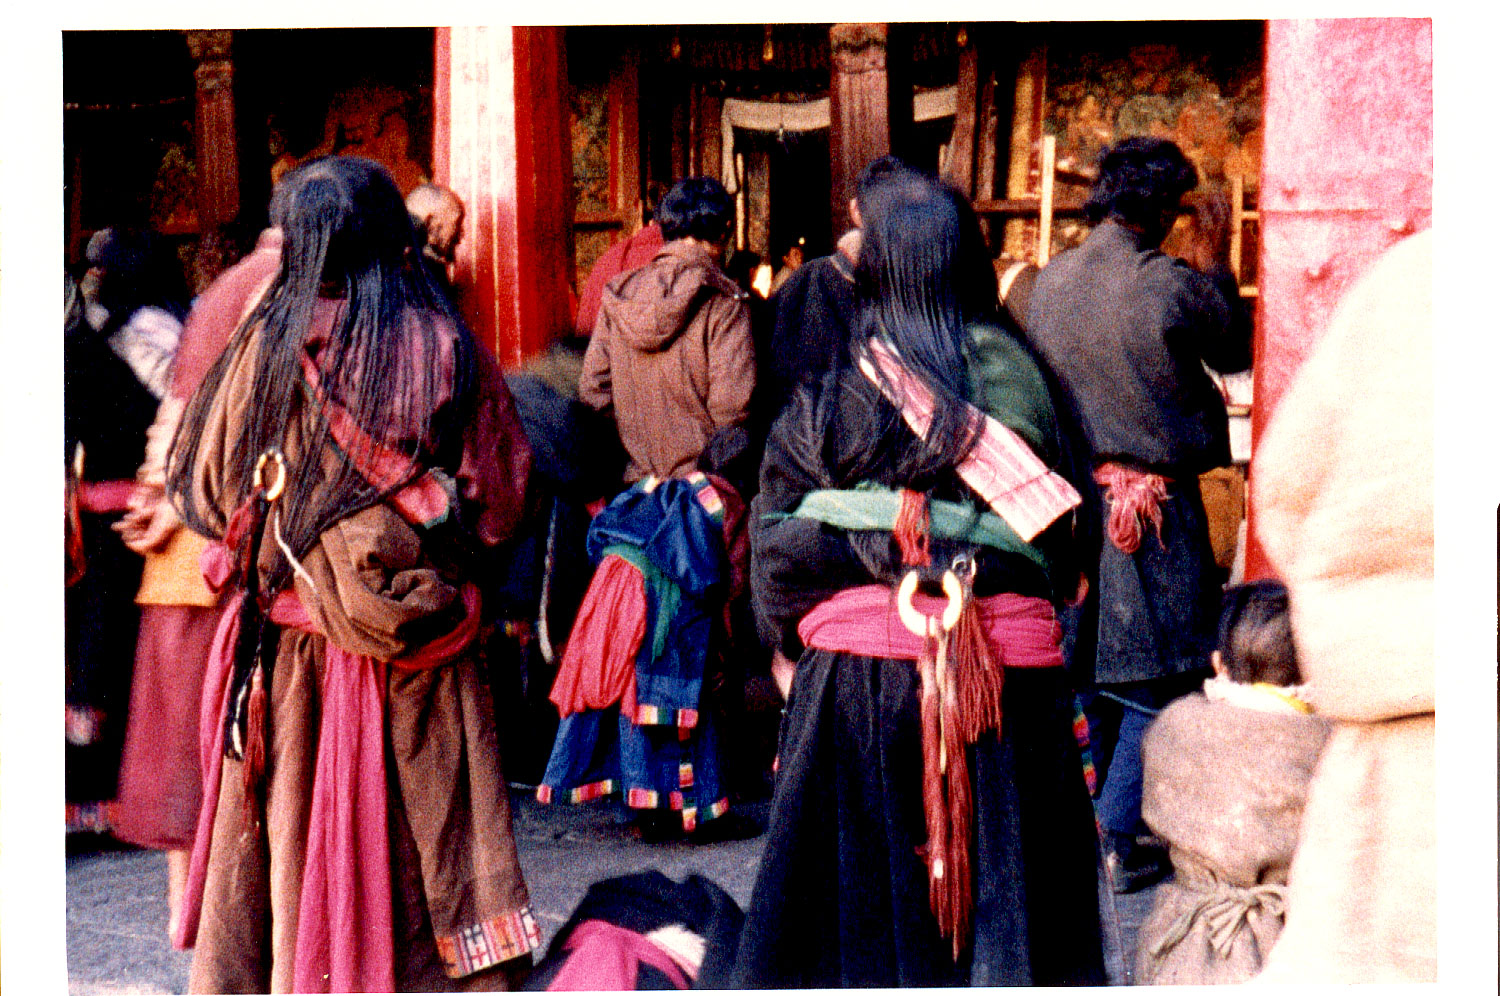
{"x": 357, "y": 457}
{"x": 931, "y": 823}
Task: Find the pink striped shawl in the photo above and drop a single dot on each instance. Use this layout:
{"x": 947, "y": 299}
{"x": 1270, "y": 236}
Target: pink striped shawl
{"x": 1001, "y": 468}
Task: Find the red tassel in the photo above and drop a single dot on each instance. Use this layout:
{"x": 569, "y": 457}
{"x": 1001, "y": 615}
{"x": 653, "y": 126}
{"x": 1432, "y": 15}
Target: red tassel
{"x": 255, "y": 744}
{"x": 911, "y": 529}
{"x": 979, "y": 677}
{"x": 960, "y": 701}
{"x": 1134, "y": 497}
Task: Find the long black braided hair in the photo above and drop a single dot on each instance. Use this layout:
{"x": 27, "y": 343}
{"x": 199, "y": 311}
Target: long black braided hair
{"x": 397, "y": 359}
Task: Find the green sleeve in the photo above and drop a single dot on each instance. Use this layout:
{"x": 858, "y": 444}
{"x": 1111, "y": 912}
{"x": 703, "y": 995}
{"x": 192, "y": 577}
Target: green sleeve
{"x": 1005, "y": 384}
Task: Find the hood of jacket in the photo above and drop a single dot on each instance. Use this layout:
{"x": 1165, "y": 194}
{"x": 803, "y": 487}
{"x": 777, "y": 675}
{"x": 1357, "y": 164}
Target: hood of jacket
{"x": 650, "y": 307}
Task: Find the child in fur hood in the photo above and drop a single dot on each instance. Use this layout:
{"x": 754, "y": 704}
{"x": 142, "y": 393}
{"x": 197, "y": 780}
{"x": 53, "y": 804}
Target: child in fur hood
{"x": 1225, "y": 779}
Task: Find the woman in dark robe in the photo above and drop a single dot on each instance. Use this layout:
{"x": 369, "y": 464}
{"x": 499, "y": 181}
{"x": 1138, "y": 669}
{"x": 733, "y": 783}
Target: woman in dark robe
{"x": 931, "y": 824}
{"x": 358, "y": 458}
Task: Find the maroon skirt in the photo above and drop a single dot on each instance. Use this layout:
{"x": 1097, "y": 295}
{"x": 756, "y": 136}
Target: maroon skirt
{"x": 160, "y": 785}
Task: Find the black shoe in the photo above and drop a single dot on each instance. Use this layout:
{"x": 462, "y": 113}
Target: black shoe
{"x": 730, "y": 826}
{"x": 658, "y": 828}
{"x": 1134, "y": 866}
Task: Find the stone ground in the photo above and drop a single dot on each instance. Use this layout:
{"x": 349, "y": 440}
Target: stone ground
{"x": 117, "y": 908}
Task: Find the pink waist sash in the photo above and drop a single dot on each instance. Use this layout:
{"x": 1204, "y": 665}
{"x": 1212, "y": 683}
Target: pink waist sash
{"x": 1022, "y": 630}
{"x": 345, "y": 934}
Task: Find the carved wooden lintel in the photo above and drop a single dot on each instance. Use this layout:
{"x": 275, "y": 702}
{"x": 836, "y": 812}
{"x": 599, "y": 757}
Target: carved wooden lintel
{"x": 215, "y": 145}
{"x": 210, "y": 45}
{"x": 214, "y": 76}
{"x": 858, "y": 48}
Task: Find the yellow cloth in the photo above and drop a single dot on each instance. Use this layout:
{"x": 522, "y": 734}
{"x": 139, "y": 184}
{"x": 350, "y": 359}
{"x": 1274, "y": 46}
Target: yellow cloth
{"x": 171, "y": 576}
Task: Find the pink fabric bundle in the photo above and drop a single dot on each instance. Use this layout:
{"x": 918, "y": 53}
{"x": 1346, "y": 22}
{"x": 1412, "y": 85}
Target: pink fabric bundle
{"x": 607, "y": 958}
{"x": 1001, "y": 468}
{"x": 598, "y": 664}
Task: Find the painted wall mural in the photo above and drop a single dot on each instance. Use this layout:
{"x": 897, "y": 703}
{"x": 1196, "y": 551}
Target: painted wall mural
{"x": 1198, "y": 85}
{"x": 589, "y": 102}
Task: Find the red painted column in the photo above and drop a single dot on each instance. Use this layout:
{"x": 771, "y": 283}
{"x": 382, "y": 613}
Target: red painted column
{"x": 501, "y": 142}
{"x": 1346, "y": 172}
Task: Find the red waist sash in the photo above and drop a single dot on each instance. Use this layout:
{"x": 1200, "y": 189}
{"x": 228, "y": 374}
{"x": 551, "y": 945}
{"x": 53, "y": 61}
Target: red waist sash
{"x": 345, "y": 939}
{"x": 1022, "y": 630}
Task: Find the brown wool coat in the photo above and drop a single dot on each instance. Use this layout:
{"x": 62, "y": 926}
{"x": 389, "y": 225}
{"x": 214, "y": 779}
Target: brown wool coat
{"x": 1344, "y": 509}
{"x": 374, "y": 591}
{"x": 671, "y": 357}
{"x": 1224, "y": 786}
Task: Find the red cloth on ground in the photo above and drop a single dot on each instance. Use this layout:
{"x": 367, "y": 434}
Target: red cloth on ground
{"x": 1022, "y": 631}
{"x": 628, "y": 254}
{"x": 160, "y": 788}
{"x": 345, "y": 939}
{"x": 598, "y": 663}
{"x": 607, "y": 958}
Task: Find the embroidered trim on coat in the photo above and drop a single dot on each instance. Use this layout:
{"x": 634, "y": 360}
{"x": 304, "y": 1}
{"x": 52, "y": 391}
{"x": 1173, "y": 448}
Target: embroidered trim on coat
{"x": 489, "y": 942}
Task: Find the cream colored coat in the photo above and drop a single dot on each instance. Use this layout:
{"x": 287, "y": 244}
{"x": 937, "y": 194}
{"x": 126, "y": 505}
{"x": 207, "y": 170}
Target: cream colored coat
{"x": 1343, "y": 495}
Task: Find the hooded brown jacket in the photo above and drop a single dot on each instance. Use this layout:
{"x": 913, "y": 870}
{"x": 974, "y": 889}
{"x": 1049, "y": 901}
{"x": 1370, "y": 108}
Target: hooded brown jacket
{"x": 671, "y": 357}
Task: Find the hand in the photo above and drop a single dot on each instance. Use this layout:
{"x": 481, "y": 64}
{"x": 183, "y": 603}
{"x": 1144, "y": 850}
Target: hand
{"x": 149, "y": 523}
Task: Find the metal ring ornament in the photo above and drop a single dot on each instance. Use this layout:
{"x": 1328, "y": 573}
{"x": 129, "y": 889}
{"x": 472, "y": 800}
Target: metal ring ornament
{"x": 258, "y": 480}
{"x": 925, "y": 625}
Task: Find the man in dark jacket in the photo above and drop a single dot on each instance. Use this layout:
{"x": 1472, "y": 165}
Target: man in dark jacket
{"x": 671, "y": 355}
{"x": 1128, "y": 329}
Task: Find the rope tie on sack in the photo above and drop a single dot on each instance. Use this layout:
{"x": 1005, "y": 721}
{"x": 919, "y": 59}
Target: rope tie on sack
{"x": 1225, "y": 909}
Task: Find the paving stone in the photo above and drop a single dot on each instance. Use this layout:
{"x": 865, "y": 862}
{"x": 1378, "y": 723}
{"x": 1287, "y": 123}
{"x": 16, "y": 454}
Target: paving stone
{"x": 117, "y": 910}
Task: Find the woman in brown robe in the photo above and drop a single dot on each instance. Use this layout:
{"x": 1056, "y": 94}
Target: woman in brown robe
{"x": 357, "y": 458}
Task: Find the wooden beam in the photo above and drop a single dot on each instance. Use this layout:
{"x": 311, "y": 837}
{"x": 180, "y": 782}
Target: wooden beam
{"x": 1030, "y": 207}
{"x": 625, "y": 133}
{"x": 1049, "y": 179}
{"x": 859, "y": 108}
{"x": 960, "y": 167}
{"x": 711, "y": 135}
{"x": 216, "y": 150}
{"x": 1030, "y": 93}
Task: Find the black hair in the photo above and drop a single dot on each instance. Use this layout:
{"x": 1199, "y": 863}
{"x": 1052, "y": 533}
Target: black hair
{"x": 1140, "y": 180}
{"x": 923, "y": 280}
{"x": 923, "y": 277}
{"x": 398, "y": 360}
{"x": 698, "y": 207}
{"x": 137, "y": 269}
{"x": 1255, "y": 635}
{"x": 881, "y": 179}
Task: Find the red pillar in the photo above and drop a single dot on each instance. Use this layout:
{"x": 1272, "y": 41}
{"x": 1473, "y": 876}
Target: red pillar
{"x": 1346, "y": 172}
{"x": 501, "y": 142}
